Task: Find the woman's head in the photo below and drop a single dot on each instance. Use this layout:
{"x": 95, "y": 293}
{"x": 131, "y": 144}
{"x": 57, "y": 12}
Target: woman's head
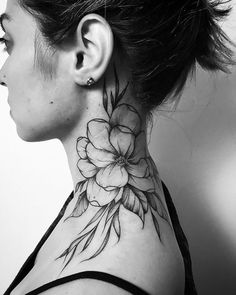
{"x": 160, "y": 42}
{"x": 47, "y": 86}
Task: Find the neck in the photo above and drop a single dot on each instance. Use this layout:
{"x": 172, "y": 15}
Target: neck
{"x": 108, "y": 146}
{"x": 110, "y": 165}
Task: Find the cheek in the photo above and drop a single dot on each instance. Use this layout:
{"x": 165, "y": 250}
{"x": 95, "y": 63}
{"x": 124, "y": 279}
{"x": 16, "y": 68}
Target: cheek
{"x": 20, "y": 76}
{"x": 24, "y": 81}
{"x": 41, "y": 108}
{"x": 48, "y": 110}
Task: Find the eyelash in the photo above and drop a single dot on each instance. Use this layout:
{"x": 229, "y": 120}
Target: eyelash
{"x": 5, "y": 42}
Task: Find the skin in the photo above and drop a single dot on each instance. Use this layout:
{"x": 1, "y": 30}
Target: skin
{"x": 28, "y": 103}
{"x": 49, "y": 98}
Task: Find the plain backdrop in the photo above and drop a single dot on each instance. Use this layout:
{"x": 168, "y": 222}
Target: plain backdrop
{"x": 195, "y": 151}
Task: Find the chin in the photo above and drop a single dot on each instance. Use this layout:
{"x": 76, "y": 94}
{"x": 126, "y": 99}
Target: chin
{"x": 33, "y": 135}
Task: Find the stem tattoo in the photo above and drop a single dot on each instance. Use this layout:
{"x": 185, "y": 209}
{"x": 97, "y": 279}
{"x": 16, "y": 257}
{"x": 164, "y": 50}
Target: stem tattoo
{"x": 116, "y": 173}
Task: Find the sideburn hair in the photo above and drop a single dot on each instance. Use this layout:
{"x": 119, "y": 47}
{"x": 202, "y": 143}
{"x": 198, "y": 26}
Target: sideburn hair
{"x": 45, "y": 60}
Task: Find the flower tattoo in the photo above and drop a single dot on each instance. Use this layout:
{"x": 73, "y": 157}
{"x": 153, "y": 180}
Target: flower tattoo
{"x": 115, "y": 171}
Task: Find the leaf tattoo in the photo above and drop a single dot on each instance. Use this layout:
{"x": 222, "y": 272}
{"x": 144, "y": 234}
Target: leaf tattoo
{"x": 115, "y": 174}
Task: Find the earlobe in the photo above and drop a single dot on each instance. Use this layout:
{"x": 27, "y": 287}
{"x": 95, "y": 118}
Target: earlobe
{"x": 90, "y": 81}
{"x": 94, "y": 49}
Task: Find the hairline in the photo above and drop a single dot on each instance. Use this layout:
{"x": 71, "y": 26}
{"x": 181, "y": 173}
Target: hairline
{"x": 43, "y": 56}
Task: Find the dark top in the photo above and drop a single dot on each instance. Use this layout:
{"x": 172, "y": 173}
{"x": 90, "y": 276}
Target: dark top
{"x": 122, "y": 283}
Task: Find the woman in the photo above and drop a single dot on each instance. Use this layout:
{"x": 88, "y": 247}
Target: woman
{"x": 89, "y": 73}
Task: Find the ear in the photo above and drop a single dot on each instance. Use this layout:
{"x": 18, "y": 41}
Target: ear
{"x": 93, "y": 50}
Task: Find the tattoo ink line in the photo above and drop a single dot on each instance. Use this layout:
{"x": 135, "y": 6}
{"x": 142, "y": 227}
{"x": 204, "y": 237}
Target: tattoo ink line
{"x": 115, "y": 174}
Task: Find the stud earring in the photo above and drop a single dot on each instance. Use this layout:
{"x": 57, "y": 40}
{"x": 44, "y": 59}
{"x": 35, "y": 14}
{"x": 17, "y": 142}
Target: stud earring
{"x": 90, "y": 81}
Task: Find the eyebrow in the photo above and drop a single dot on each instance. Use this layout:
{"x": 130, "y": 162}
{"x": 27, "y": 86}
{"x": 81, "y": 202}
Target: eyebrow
{"x": 4, "y": 16}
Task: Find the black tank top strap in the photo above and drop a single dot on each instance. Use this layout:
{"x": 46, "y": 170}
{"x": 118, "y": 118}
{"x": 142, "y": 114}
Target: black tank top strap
{"x": 97, "y": 275}
{"x": 190, "y": 288}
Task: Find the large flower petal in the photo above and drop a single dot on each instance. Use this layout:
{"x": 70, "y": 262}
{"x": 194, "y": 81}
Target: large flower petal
{"x": 141, "y": 169}
{"x": 98, "y": 132}
{"x": 139, "y": 148}
{"x": 143, "y": 184}
{"x": 86, "y": 168}
{"x": 123, "y": 140}
{"x": 152, "y": 167}
{"x": 79, "y": 176}
{"x": 97, "y": 196}
{"x": 99, "y": 158}
{"x": 113, "y": 176}
{"x": 126, "y": 115}
{"x": 81, "y": 147}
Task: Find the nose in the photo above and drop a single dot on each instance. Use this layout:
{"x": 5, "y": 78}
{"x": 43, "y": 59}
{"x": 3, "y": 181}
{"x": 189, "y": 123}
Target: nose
{"x": 2, "y": 80}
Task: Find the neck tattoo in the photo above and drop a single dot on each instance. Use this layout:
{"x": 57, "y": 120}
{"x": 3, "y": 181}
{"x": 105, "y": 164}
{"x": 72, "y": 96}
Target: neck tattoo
{"x": 116, "y": 172}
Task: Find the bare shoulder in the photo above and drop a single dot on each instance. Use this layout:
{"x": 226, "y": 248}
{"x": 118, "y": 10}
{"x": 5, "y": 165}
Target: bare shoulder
{"x": 141, "y": 258}
{"x": 86, "y": 287}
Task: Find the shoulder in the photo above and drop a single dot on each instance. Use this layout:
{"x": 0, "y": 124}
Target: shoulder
{"x": 93, "y": 286}
{"x": 140, "y": 258}
{"x": 86, "y": 287}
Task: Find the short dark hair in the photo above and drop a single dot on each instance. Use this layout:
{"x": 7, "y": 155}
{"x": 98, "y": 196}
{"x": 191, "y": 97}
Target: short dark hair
{"x": 161, "y": 39}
